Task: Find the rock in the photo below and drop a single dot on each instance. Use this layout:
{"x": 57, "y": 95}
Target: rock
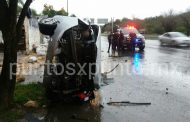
{"x": 44, "y": 106}
{"x": 40, "y": 58}
{"x": 41, "y": 118}
{"x": 41, "y": 50}
{"x": 32, "y": 59}
{"x": 20, "y": 78}
{"x": 31, "y": 104}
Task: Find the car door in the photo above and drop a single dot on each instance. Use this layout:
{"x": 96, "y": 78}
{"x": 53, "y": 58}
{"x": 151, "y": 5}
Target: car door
{"x": 166, "y": 38}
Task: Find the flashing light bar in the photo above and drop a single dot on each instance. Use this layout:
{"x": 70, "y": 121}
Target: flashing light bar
{"x": 130, "y": 27}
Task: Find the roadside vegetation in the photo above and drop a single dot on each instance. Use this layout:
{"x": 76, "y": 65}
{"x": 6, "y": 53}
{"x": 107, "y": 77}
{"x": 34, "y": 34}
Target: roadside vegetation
{"x": 166, "y": 22}
{"x": 23, "y": 94}
{"x": 33, "y": 91}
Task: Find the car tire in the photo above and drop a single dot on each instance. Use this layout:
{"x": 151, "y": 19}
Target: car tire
{"x": 141, "y": 48}
{"x": 161, "y": 43}
{"x": 173, "y": 43}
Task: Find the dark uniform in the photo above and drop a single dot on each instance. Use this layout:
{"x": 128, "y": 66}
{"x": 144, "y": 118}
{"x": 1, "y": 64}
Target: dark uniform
{"x": 132, "y": 36}
{"x": 115, "y": 41}
{"x": 120, "y": 40}
{"x": 110, "y": 38}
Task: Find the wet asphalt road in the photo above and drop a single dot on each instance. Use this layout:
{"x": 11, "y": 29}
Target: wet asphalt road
{"x": 159, "y": 75}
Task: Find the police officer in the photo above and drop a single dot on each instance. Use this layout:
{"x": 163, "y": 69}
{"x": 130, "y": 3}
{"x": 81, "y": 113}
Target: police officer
{"x": 120, "y": 40}
{"x": 115, "y": 40}
{"x": 110, "y": 38}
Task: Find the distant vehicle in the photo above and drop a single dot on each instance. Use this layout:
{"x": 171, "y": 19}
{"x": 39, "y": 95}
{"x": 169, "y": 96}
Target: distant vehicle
{"x": 174, "y": 39}
{"x": 137, "y": 41}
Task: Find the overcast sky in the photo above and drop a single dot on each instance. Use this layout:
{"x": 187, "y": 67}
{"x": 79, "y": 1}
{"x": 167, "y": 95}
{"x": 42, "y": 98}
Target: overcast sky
{"x": 115, "y": 8}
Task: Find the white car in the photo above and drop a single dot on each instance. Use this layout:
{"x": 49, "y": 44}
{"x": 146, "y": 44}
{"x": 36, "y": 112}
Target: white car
{"x": 174, "y": 39}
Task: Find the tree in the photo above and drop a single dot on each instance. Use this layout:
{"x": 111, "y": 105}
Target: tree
{"x": 34, "y": 12}
{"x": 169, "y": 22}
{"x": 11, "y": 28}
{"x": 49, "y": 10}
{"x": 185, "y": 17}
{"x": 153, "y": 25}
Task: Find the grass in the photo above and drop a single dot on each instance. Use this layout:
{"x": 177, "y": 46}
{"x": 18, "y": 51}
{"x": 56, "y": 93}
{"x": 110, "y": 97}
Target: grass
{"x": 23, "y": 93}
{"x": 35, "y": 92}
{"x": 11, "y": 115}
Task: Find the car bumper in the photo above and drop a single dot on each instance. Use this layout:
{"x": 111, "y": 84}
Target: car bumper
{"x": 184, "y": 43}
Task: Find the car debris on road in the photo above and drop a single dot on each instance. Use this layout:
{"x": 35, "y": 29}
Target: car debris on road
{"x": 128, "y": 103}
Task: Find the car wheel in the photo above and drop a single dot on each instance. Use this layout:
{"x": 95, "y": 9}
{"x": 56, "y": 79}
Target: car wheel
{"x": 173, "y": 43}
{"x": 161, "y": 42}
{"x": 141, "y": 48}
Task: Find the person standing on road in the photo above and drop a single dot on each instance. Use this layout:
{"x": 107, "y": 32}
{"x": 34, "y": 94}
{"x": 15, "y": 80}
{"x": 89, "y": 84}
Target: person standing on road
{"x": 110, "y": 38}
{"x": 115, "y": 41}
{"x": 120, "y": 40}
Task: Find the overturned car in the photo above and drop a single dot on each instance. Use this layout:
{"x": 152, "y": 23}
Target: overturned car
{"x": 72, "y": 69}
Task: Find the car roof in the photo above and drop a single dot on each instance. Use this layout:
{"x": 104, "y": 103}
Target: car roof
{"x": 173, "y": 32}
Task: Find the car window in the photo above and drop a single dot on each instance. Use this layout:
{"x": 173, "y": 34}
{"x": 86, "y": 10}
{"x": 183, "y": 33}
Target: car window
{"x": 177, "y": 34}
{"x": 167, "y": 35}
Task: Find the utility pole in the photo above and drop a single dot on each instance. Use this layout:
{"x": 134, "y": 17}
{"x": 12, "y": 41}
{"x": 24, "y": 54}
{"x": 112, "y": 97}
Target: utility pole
{"x": 112, "y": 20}
{"x": 67, "y": 8}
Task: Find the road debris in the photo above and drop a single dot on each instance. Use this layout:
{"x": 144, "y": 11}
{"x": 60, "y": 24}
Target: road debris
{"x": 127, "y": 103}
{"x": 41, "y": 50}
{"x": 32, "y": 59}
{"x": 112, "y": 69}
{"x": 105, "y": 79}
{"x": 31, "y": 104}
{"x": 108, "y": 81}
{"x": 167, "y": 90}
{"x": 20, "y": 78}
{"x": 101, "y": 106}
